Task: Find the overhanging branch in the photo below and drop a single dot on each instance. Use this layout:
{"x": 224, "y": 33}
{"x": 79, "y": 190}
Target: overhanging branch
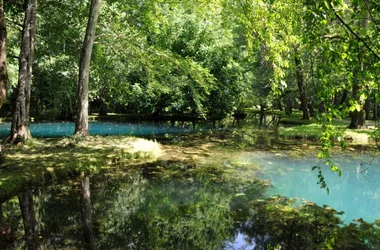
{"x": 353, "y": 33}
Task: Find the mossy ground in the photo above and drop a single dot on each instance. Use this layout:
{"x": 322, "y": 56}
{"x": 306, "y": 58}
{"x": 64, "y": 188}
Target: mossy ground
{"x": 42, "y": 160}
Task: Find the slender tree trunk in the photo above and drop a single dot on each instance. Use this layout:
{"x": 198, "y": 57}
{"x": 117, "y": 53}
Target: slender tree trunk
{"x": 103, "y": 109}
{"x": 357, "y": 116}
{"x": 367, "y": 108}
{"x": 20, "y": 117}
{"x": 29, "y": 219}
{"x": 3, "y": 62}
{"x": 86, "y": 213}
{"x": 81, "y": 124}
{"x": 3, "y": 56}
{"x": 375, "y": 109}
{"x": 288, "y": 105}
{"x": 344, "y": 97}
{"x": 301, "y": 87}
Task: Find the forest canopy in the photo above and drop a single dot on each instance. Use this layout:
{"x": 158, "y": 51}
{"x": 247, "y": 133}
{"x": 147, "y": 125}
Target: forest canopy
{"x": 198, "y": 57}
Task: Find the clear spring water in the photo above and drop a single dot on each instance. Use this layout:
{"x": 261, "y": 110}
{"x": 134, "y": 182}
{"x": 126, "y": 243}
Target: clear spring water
{"x": 60, "y": 129}
{"x": 356, "y": 192}
{"x": 169, "y": 205}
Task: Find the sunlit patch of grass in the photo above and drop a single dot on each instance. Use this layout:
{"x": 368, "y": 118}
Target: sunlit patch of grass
{"x": 313, "y": 131}
{"x": 309, "y": 131}
{"x": 41, "y": 160}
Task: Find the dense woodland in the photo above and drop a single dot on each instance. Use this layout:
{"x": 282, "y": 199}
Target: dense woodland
{"x": 209, "y": 59}
{"x": 63, "y": 59}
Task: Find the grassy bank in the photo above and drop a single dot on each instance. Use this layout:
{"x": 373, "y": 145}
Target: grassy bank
{"x": 296, "y": 128}
{"x": 45, "y": 160}
{"x": 42, "y": 161}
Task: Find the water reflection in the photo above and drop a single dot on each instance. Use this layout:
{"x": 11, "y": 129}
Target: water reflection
{"x": 29, "y": 219}
{"x": 176, "y": 206}
{"x": 86, "y": 210}
{"x": 6, "y": 233}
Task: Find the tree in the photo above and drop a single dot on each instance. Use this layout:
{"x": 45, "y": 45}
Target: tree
{"x": 276, "y": 28}
{"x": 357, "y": 116}
{"x": 301, "y": 86}
{"x": 20, "y": 117}
{"x": 55, "y": 71}
{"x": 3, "y": 61}
{"x": 3, "y": 56}
{"x": 81, "y": 123}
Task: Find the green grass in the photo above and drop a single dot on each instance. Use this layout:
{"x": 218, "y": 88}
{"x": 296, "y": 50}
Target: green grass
{"x": 312, "y": 130}
{"x": 41, "y": 161}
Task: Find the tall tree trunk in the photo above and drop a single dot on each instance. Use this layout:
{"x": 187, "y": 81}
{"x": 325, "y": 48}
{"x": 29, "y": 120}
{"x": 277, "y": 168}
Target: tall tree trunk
{"x": 20, "y": 117}
{"x": 375, "y": 110}
{"x": 367, "y": 108}
{"x": 29, "y": 219}
{"x": 344, "y": 98}
{"x": 86, "y": 213}
{"x": 357, "y": 116}
{"x": 301, "y": 87}
{"x": 81, "y": 123}
{"x": 3, "y": 62}
{"x": 3, "y": 56}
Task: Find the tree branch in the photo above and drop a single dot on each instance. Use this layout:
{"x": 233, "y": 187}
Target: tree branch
{"x": 13, "y": 56}
{"x": 19, "y": 25}
{"x": 333, "y": 36}
{"x": 353, "y": 33}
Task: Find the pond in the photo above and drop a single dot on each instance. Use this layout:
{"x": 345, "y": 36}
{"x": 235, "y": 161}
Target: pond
{"x": 60, "y": 129}
{"x": 177, "y": 205}
{"x": 356, "y": 192}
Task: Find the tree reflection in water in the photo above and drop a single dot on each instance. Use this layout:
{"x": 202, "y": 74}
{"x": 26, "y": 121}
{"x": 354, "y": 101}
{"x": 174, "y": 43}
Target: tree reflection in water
{"x": 86, "y": 213}
{"x": 179, "y": 206}
{"x": 29, "y": 219}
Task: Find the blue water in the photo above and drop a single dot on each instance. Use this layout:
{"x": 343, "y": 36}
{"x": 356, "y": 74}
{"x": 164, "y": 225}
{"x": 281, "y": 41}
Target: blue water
{"x": 356, "y": 192}
{"x": 60, "y": 129}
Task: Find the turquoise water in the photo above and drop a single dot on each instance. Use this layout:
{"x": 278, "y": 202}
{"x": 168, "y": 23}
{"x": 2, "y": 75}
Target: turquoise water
{"x": 59, "y": 129}
{"x": 356, "y": 192}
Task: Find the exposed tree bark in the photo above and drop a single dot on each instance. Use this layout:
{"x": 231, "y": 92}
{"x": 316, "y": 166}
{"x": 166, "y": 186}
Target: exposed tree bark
{"x": 3, "y": 56}
{"x": 29, "y": 219}
{"x": 81, "y": 123}
{"x": 3, "y": 63}
{"x": 86, "y": 213}
{"x": 301, "y": 87}
{"x": 20, "y": 117}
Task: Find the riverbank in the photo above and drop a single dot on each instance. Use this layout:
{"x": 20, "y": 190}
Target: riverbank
{"x": 42, "y": 161}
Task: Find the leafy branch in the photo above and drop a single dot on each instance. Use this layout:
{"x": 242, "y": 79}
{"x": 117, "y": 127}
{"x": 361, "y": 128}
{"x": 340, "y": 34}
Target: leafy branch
{"x": 353, "y": 32}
